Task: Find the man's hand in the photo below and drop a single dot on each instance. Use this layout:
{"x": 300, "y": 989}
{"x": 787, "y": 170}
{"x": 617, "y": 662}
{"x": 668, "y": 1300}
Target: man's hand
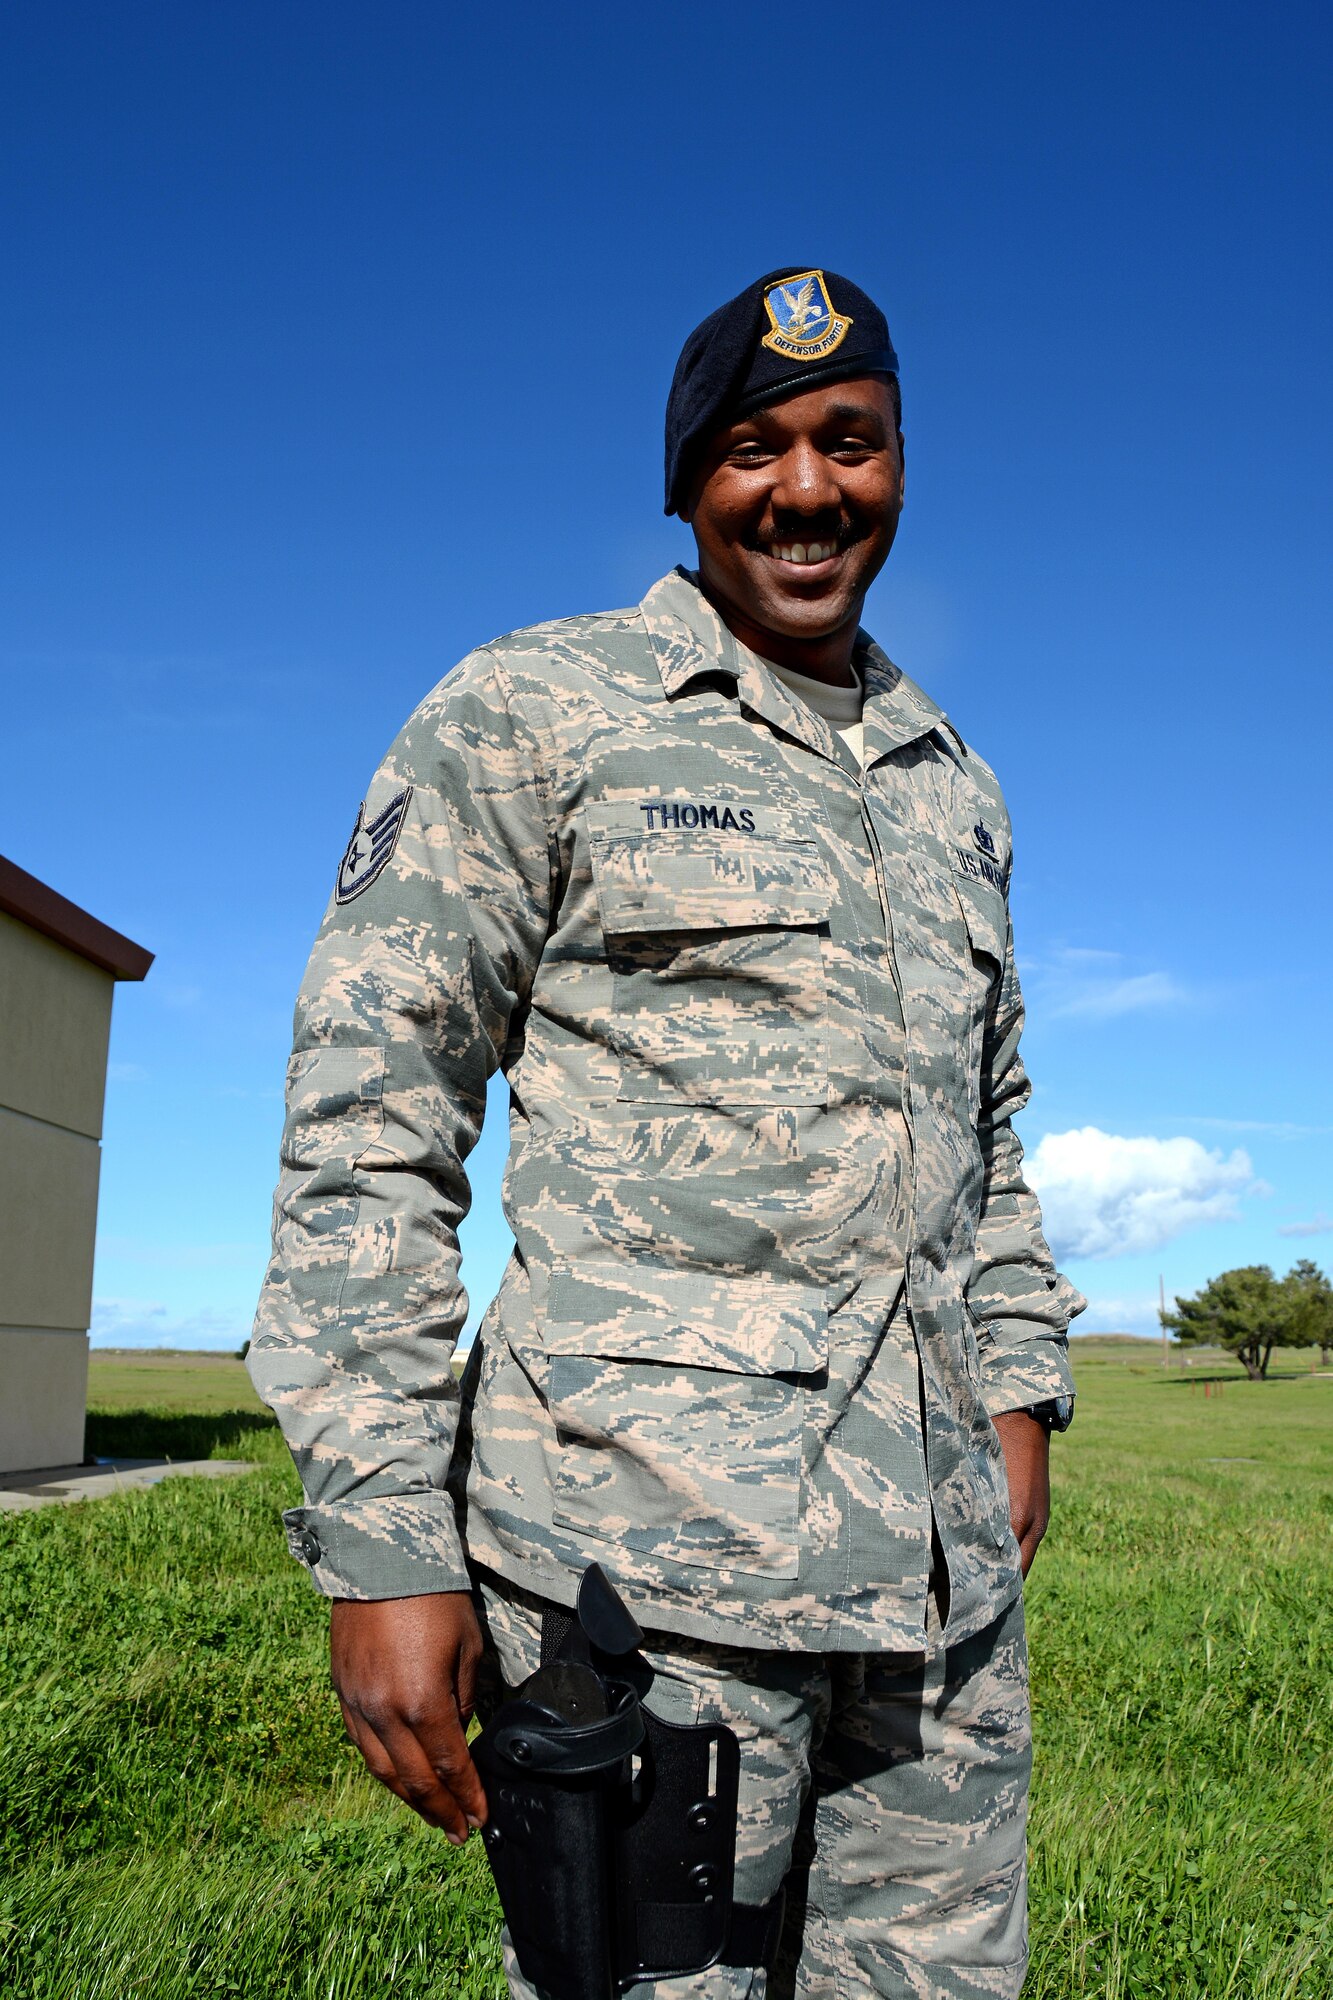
{"x": 1027, "y": 1453}
{"x": 405, "y": 1670}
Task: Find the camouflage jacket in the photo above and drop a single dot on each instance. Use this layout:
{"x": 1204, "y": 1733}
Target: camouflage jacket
{"x": 775, "y": 1259}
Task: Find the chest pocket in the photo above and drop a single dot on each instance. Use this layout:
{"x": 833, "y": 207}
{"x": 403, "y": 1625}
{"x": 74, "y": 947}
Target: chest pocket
{"x": 987, "y": 919}
{"x": 714, "y": 937}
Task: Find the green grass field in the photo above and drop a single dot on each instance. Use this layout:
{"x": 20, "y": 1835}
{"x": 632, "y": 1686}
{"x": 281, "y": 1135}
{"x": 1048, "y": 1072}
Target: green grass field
{"x": 180, "y": 1815}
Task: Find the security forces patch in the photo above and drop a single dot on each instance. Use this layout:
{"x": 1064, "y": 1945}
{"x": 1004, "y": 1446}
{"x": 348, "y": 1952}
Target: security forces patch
{"x": 802, "y": 322}
{"x": 372, "y": 843}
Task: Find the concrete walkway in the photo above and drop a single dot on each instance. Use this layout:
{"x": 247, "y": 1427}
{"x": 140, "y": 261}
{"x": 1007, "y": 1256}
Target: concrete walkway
{"x": 20, "y": 1490}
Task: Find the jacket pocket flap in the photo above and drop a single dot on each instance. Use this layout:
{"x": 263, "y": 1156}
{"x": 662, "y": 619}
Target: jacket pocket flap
{"x": 744, "y": 1326}
{"x": 987, "y": 918}
{"x": 684, "y": 879}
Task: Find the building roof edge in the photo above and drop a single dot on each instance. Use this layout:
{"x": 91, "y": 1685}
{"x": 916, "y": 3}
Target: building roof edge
{"x": 40, "y": 907}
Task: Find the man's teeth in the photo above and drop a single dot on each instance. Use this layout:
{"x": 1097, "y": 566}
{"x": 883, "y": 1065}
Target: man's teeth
{"x": 804, "y": 552}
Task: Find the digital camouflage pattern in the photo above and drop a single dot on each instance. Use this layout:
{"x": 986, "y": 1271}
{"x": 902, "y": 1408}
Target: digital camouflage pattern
{"x": 775, "y": 1258}
{"x": 889, "y": 1793}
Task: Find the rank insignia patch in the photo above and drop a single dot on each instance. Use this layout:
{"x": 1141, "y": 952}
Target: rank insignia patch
{"x": 802, "y": 322}
{"x": 372, "y": 843}
{"x": 985, "y": 840}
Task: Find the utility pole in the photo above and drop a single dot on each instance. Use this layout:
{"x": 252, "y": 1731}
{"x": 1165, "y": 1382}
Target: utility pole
{"x": 1161, "y": 1314}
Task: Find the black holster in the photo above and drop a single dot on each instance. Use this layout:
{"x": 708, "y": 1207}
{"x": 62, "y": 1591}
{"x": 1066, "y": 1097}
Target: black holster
{"x": 611, "y": 1833}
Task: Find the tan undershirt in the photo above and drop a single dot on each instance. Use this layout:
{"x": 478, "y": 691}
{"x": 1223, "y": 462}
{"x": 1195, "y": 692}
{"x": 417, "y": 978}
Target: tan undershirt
{"x": 840, "y": 706}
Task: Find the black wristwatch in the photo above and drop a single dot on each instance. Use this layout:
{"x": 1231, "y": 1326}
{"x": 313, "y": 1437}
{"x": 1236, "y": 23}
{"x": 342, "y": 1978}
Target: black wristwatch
{"x": 1057, "y": 1415}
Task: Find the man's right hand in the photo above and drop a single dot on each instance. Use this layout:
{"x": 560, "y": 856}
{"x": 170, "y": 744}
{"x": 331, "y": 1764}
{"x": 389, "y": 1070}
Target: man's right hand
{"x": 405, "y": 1672}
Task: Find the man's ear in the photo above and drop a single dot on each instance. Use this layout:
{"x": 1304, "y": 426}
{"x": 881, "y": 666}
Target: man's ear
{"x": 689, "y": 493}
{"x": 902, "y": 469}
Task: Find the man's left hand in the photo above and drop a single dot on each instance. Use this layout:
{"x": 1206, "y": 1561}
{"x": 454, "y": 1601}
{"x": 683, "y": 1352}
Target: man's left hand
{"x": 1027, "y": 1453}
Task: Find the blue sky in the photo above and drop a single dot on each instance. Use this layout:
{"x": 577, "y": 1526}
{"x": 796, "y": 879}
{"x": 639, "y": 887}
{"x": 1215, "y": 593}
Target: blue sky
{"x": 336, "y": 342}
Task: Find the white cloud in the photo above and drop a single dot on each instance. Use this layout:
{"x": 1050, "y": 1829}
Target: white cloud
{"x": 1103, "y": 999}
{"x": 1318, "y": 1225}
{"x": 144, "y": 1323}
{"x": 1107, "y": 1196}
{"x": 1110, "y": 1312}
{"x": 1086, "y": 954}
{"x": 1076, "y": 983}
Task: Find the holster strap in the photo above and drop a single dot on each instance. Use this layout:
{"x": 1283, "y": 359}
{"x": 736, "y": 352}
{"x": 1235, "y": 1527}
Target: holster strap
{"x": 668, "y": 1933}
{"x": 574, "y": 1751}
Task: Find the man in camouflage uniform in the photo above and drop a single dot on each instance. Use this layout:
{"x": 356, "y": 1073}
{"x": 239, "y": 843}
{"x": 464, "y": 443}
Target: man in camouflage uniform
{"x": 726, "y": 897}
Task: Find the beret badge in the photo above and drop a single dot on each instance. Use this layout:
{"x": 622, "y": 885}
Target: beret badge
{"x": 802, "y": 322}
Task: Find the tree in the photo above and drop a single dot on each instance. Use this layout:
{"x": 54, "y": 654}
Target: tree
{"x": 1248, "y": 1312}
{"x": 1311, "y": 1306}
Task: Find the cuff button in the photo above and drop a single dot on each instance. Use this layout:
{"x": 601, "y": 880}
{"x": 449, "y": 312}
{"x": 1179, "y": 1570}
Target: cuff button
{"x": 310, "y": 1548}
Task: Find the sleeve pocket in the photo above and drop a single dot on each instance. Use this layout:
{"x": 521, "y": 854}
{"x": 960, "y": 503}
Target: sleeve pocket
{"x": 334, "y": 1106}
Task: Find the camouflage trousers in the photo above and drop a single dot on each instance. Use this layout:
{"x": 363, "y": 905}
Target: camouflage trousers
{"x": 887, "y": 1791}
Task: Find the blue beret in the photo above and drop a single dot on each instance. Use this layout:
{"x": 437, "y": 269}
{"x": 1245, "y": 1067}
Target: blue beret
{"x": 791, "y": 331}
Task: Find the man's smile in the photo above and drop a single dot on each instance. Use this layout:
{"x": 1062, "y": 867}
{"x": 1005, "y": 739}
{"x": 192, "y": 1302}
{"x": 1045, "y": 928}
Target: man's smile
{"x": 802, "y": 555}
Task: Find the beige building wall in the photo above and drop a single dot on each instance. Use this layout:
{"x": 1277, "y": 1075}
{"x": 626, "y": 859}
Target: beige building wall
{"x": 55, "y": 1023}
{"x": 55, "y": 1020}
{"x": 45, "y": 1388}
{"x": 48, "y": 1216}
